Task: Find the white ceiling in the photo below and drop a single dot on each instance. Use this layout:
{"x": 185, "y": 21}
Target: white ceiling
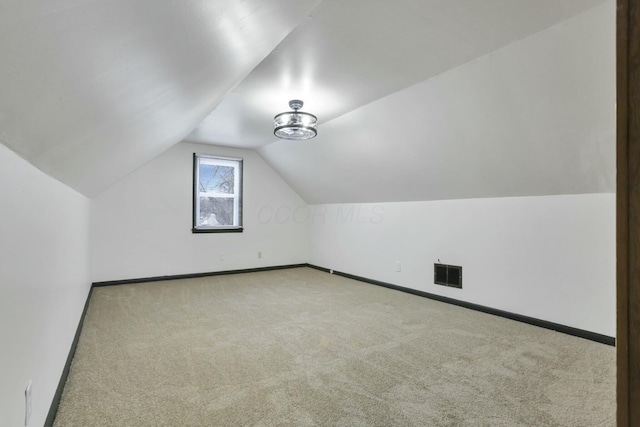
{"x": 536, "y": 117}
{"x": 91, "y": 90}
{"x": 350, "y": 53}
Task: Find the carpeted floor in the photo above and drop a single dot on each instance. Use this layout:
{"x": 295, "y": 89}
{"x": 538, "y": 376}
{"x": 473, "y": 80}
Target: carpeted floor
{"x": 301, "y": 347}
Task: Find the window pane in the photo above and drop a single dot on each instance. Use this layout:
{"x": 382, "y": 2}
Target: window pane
{"x": 215, "y": 211}
{"x": 216, "y": 179}
{"x": 217, "y": 194}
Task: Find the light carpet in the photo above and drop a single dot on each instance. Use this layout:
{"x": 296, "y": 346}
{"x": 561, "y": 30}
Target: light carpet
{"x": 301, "y": 347}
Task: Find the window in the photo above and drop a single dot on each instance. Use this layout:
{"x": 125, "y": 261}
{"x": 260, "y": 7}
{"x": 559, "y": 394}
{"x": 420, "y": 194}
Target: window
{"x": 217, "y": 194}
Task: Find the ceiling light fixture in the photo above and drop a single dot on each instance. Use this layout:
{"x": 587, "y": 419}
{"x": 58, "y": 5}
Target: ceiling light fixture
{"x": 295, "y": 124}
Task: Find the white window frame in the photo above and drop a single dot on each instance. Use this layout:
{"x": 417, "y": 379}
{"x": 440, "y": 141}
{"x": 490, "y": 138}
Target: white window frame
{"x": 233, "y": 162}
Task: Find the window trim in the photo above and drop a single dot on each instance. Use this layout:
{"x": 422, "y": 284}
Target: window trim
{"x": 195, "y": 196}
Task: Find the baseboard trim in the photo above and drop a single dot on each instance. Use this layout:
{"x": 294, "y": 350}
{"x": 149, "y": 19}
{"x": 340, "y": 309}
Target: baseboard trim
{"x": 581, "y": 333}
{"x": 194, "y": 275}
{"x": 53, "y": 409}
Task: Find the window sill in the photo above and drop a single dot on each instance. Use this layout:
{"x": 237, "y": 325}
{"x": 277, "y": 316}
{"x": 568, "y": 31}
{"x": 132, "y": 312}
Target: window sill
{"x": 218, "y": 230}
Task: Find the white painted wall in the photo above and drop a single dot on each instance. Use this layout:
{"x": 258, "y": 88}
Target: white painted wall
{"x": 141, "y": 227}
{"x": 44, "y": 282}
{"x": 548, "y": 257}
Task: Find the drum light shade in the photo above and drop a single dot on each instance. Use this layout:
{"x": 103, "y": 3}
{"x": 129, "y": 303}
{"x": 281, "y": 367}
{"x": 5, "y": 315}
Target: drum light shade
{"x": 296, "y": 125}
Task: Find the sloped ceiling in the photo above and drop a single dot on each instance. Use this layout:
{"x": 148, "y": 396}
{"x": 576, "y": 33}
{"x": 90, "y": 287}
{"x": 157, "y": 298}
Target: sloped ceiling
{"x": 91, "y": 90}
{"x": 536, "y": 117}
{"x": 417, "y": 100}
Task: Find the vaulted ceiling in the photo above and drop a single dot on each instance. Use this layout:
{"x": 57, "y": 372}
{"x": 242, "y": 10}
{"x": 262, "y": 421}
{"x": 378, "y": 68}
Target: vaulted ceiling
{"x": 416, "y": 99}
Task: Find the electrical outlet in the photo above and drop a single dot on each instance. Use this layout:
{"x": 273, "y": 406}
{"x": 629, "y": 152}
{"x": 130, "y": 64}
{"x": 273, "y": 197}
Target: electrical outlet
{"x": 27, "y": 404}
{"x": 398, "y": 268}
{"x": 259, "y": 254}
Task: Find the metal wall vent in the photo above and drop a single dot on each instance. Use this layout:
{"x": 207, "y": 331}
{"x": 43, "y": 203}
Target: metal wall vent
{"x": 447, "y": 275}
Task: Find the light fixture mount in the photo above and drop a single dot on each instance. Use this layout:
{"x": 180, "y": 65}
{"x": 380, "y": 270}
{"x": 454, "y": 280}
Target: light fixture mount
{"x": 295, "y": 104}
{"x": 295, "y": 125}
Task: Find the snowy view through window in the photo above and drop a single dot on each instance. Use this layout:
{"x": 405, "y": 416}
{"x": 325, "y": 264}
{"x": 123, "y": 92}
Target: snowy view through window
{"x": 218, "y": 180}
{"x": 218, "y": 192}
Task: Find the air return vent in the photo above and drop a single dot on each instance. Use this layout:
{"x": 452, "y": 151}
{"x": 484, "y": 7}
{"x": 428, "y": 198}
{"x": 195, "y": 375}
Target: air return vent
{"x": 447, "y": 275}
